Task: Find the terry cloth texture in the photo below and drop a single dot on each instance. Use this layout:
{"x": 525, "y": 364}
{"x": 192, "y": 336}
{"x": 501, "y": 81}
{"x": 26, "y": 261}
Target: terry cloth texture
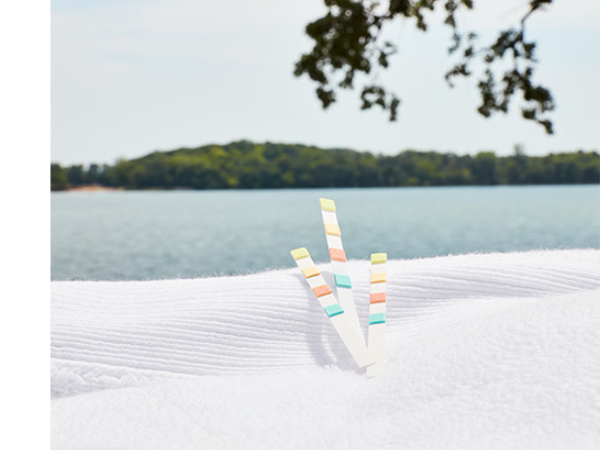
{"x": 482, "y": 351}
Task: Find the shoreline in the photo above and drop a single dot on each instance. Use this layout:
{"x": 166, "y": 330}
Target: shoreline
{"x": 100, "y": 188}
{"x": 90, "y": 188}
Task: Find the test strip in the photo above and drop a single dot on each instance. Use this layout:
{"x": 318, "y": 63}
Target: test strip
{"x": 377, "y": 310}
{"x": 336, "y": 312}
{"x": 343, "y": 285}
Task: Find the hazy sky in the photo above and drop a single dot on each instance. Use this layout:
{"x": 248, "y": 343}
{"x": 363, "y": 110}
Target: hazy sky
{"x": 133, "y": 76}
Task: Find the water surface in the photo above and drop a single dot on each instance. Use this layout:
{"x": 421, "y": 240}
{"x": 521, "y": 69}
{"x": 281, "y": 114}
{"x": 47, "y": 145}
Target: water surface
{"x": 137, "y": 235}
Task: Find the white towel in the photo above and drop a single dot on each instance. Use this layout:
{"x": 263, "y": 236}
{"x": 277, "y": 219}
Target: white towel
{"x": 483, "y": 351}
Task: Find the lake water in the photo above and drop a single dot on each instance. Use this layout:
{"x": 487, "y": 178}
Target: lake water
{"x": 172, "y": 234}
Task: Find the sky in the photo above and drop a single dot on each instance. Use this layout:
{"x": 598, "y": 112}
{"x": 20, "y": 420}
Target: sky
{"x": 130, "y": 77}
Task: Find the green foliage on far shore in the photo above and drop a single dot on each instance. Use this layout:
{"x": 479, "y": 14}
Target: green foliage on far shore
{"x": 246, "y": 165}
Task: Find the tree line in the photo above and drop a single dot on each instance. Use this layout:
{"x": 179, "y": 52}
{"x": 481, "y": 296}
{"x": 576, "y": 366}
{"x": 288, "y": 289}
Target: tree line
{"x": 247, "y": 165}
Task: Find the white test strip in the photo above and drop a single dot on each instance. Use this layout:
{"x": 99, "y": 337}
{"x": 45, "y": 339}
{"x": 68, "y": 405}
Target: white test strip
{"x": 377, "y": 307}
{"x": 334, "y": 310}
{"x": 338, "y": 261}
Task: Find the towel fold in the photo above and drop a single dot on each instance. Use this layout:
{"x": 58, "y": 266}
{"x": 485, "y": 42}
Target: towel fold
{"x": 482, "y": 351}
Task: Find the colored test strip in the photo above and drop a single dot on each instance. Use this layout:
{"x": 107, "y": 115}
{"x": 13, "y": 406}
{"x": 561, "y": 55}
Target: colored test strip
{"x": 335, "y": 311}
{"x": 338, "y": 261}
{"x": 377, "y": 307}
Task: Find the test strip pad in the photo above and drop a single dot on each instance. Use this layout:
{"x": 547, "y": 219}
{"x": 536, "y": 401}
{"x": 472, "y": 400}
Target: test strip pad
{"x": 335, "y": 311}
{"x": 377, "y": 307}
{"x": 338, "y": 261}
